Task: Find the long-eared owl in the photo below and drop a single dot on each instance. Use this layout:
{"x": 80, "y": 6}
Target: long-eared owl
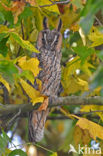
{"x": 49, "y": 44}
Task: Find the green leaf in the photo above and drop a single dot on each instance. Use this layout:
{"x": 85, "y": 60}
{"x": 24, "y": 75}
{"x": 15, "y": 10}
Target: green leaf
{"x": 26, "y": 13}
{"x": 98, "y": 78}
{"x": 3, "y": 47}
{"x": 3, "y": 35}
{"x": 2, "y": 19}
{"x": 18, "y": 152}
{"x": 5, "y": 137}
{"x": 9, "y": 17}
{"x": 87, "y": 17}
{"x": 8, "y": 69}
{"x": 100, "y": 55}
{"x": 3, "y": 142}
{"x": 24, "y": 44}
{"x": 86, "y": 23}
{"x": 83, "y": 52}
{"x": 78, "y": 3}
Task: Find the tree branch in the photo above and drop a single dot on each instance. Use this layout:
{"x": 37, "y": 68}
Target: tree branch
{"x": 54, "y": 2}
{"x": 7, "y": 110}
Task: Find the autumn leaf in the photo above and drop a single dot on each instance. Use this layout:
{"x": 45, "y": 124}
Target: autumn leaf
{"x": 5, "y": 83}
{"x": 96, "y": 37}
{"x": 35, "y": 95}
{"x": 32, "y": 2}
{"x": 81, "y": 136}
{"x": 71, "y": 82}
{"x": 17, "y": 8}
{"x": 94, "y": 129}
{"x": 51, "y": 8}
{"x": 66, "y": 18}
{"x": 31, "y": 65}
{"x": 83, "y": 84}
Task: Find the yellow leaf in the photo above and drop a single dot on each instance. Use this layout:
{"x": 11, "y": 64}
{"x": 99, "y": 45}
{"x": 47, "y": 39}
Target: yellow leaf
{"x": 54, "y": 154}
{"x": 71, "y": 81}
{"x": 85, "y": 67}
{"x": 94, "y": 129}
{"x": 96, "y": 37}
{"x": 90, "y": 108}
{"x": 31, "y": 92}
{"x": 38, "y": 19}
{"x": 83, "y": 84}
{"x": 92, "y": 154}
{"x": 37, "y": 100}
{"x": 81, "y": 136}
{"x": 66, "y": 113}
{"x": 6, "y": 84}
{"x": 52, "y": 8}
{"x": 93, "y": 108}
{"x": 31, "y": 65}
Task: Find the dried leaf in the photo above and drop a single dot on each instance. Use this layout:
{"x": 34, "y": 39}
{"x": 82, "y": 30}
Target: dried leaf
{"x": 44, "y": 105}
{"x": 17, "y": 8}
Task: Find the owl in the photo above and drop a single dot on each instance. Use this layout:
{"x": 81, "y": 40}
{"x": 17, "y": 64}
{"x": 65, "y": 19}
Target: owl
{"x": 49, "y": 44}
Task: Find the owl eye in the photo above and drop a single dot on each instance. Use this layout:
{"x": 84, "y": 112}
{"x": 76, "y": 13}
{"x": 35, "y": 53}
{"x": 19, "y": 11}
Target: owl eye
{"x": 43, "y": 39}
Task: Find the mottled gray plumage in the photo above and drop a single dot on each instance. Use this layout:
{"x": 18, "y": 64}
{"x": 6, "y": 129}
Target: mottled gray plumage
{"x": 49, "y": 44}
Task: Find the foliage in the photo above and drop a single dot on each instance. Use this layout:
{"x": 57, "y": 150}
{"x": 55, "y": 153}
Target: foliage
{"x": 82, "y": 69}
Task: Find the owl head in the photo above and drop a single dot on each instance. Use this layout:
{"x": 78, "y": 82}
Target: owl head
{"x": 50, "y": 39}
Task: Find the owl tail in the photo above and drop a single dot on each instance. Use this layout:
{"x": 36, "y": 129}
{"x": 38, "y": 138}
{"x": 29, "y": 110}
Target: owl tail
{"x": 37, "y": 121}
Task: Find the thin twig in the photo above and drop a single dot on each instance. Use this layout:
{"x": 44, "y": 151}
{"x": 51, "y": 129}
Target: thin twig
{"x": 22, "y": 30}
{"x": 98, "y": 21}
{"x": 12, "y": 120}
{"x": 60, "y": 2}
{"x": 54, "y": 2}
{"x": 15, "y": 128}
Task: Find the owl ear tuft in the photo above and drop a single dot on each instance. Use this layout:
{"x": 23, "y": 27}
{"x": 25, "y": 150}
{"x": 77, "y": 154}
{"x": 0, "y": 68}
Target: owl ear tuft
{"x": 59, "y": 25}
{"x": 45, "y": 24}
